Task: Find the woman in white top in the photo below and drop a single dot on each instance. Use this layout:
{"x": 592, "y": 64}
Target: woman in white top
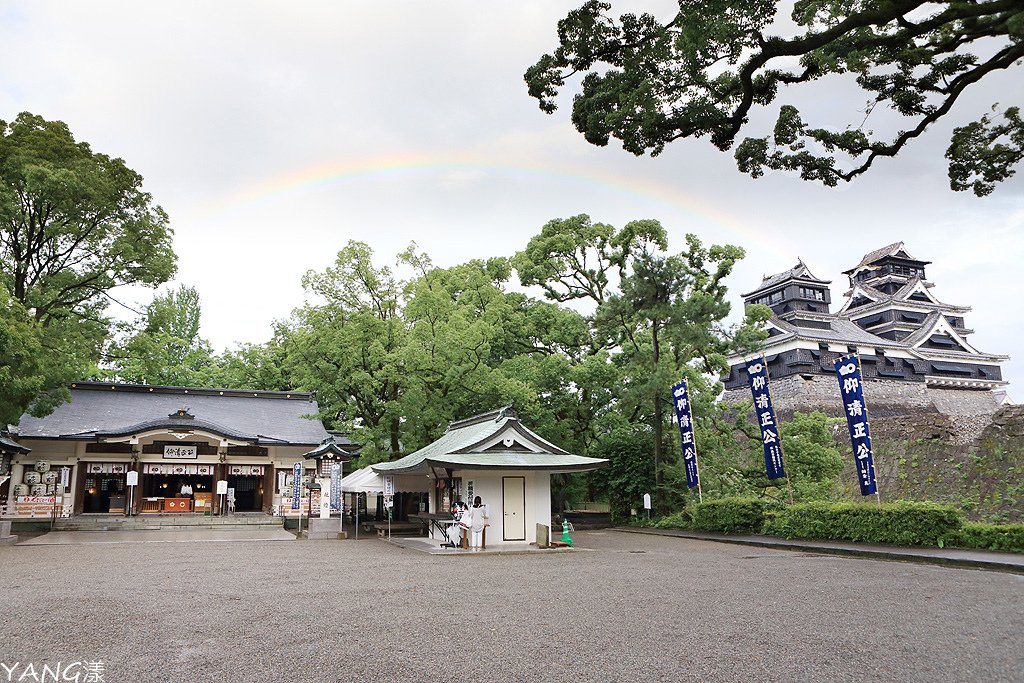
{"x": 477, "y": 515}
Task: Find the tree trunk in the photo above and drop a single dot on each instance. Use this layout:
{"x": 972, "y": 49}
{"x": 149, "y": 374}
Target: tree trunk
{"x": 658, "y": 479}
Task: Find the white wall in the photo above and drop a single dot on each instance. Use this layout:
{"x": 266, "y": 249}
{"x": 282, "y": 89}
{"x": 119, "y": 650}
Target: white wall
{"x": 488, "y": 485}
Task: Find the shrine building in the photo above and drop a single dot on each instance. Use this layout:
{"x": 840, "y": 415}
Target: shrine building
{"x": 174, "y": 442}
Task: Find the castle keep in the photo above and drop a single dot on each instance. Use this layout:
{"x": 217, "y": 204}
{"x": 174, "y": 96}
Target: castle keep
{"x": 914, "y": 348}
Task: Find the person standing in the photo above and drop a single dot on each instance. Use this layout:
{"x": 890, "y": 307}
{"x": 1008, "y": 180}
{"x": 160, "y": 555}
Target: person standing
{"x": 477, "y": 516}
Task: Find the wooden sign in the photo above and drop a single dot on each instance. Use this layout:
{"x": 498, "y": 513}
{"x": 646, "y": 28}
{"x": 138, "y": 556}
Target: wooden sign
{"x": 181, "y": 452}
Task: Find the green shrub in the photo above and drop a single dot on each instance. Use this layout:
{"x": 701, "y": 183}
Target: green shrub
{"x": 731, "y": 515}
{"x": 1007, "y": 538}
{"x": 901, "y": 523}
{"x": 643, "y": 521}
{"x": 677, "y": 520}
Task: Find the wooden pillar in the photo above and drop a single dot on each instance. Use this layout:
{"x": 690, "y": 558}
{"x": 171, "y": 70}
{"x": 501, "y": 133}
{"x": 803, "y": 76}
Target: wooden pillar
{"x": 79, "y": 486}
{"x": 218, "y": 474}
{"x": 269, "y": 482}
{"x": 137, "y": 493}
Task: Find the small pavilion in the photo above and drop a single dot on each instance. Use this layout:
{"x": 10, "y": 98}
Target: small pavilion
{"x": 494, "y": 456}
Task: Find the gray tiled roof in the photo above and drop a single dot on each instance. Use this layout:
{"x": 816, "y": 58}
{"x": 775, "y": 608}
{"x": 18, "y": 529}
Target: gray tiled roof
{"x": 924, "y": 331}
{"x": 455, "y": 449}
{"x": 904, "y": 292}
{"x": 330, "y": 448}
{"x": 840, "y": 330}
{"x": 889, "y": 250}
{"x": 798, "y": 272}
{"x": 8, "y": 446}
{"x": 98, "y": 407}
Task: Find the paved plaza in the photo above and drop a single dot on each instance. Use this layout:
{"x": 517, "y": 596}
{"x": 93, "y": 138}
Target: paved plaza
{"x": 621, "y": 607}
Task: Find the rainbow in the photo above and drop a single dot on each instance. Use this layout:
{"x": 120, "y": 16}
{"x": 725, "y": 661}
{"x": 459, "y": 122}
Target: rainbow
{"x": 383, "y": 168}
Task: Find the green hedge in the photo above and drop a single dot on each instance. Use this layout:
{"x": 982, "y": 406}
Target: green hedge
{"x": 677, "y": 520}
{"x": 1007, "y": 538}
{"x": 731, "y": 515}
{"x": 902, "y": 523}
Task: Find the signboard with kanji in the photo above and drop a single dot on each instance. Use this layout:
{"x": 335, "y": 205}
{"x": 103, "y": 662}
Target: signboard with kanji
{"x": 764, "y": 412}
{"x": 296, "y": 486}
{"x": 180, "y": 452}
{"x": 851, "y": 388}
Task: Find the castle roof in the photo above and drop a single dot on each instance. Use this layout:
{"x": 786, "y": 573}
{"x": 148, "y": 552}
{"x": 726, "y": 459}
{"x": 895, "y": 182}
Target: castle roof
{"x": 798, "y": 272}
{"x": 895, "y": 249}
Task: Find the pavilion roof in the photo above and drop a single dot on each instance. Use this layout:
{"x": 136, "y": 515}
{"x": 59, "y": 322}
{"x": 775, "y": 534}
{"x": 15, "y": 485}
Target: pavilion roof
{"x": 492, "y": 440}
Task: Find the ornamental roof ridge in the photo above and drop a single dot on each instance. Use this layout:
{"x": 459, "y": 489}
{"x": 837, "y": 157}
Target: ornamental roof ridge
{"x": 903, "y": 295}
{"x": 330, "y": 449}
{"x": 490, "y": 416}
{"x": 931, "y": 325}
{"x": 876, "y": 295}
{"x": 173, "y": 423}
{"x": 798, "y": 272}
{"x": 809, "y": 315}
{"x": 9, "y": 446}
{"x": 889, "y": 250}
{"x": 191, "y": 391}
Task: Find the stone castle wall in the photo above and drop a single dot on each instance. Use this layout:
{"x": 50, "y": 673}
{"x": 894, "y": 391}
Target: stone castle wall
{"x": 969, "y": 412}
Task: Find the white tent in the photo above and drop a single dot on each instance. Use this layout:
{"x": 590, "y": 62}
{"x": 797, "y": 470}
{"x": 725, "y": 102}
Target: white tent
{"x": 363, "y": 481}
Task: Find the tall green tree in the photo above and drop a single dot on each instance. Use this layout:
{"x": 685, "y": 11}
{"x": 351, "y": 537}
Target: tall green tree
{"x": 709, "y": 68}
{"x": 253, "y": 366}
{"x": 165, "y": 346}
{"x": 74, "y": 224}
{"x": 657, "y": 316}
{"x": 21, "y": 374}
{"x": 462, "y": 324}
{"x": 667, "y": 322}
{"x": 346, "y": 345}
{"x": 812, "y": 456}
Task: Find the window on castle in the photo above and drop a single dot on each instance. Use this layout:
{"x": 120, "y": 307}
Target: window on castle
{"x": 908, "y": 271}
{"x": 770, "y": 299}
{"x": 810, "y": 293}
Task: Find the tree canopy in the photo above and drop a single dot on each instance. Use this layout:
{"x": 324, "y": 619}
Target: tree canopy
{"x": 656, "y": 319}
{"x": 708, "y": 69}
{"x": 164, "y": 346}
{"x": 74, "y": 224}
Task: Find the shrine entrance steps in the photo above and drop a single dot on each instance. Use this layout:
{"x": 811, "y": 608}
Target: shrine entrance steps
{"x": 168, "y": 522}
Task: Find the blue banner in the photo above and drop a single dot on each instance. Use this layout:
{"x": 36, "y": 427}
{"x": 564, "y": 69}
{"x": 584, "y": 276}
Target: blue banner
{"x": 851, "y": 388}
{"x": 296, "y": 486}
{"x": 684, "y": 416}
{"x": 335, "y": 487}
{"x": 757, "y": 375}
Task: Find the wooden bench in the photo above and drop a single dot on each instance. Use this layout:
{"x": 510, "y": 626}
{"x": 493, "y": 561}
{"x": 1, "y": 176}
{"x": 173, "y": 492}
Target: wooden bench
{"x": 398, "y": 529}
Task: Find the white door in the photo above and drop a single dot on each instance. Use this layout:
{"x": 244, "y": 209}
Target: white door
{"x": 514, "y": 506}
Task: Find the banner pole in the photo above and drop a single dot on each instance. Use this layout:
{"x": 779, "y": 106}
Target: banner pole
{"x": 696, "y": 459}
{"x": 782, "y": 451}
{"x": 682, "y": 405}
{"x": 867, "y": 421}
{"x": 858, "y": 408}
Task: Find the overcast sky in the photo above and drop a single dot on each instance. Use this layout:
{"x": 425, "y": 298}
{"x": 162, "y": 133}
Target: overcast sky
{"x": 273, "y": 133}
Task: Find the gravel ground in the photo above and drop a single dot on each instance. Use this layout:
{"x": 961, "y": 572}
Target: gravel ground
{"x": 622, "y": 607}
